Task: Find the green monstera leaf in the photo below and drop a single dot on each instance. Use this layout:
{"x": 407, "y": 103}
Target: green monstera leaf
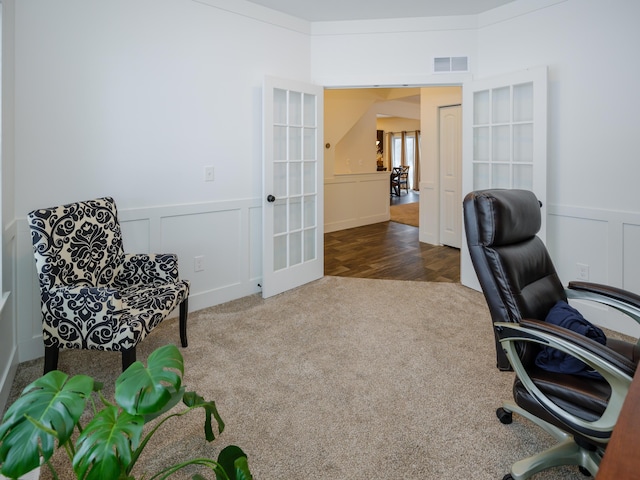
{"x": 48, "y": 409}
{"x": 234, "y": 463}
{"x": 106, "y": 444}
{"x": 147, "y": 390}
{"x": 193, "y": 400}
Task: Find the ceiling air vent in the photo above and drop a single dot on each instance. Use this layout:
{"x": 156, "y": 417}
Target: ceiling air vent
{"x": 450, "y": 64}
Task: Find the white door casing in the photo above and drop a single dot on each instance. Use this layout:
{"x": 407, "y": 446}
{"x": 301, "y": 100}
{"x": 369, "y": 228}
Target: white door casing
{"x": 450, "y": 152}
{"x": 504, "y": 141}
{"x": 293, "y": 193}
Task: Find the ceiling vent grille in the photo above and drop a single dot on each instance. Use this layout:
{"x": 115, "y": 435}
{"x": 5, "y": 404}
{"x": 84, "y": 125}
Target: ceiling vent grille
{"x": 450, "y": 64}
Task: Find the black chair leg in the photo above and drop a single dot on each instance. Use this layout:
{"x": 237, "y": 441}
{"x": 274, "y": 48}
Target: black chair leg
{"x": 50, "y": 359}
{"x": 184, "y": 311}
{"x": 128, "y": 357}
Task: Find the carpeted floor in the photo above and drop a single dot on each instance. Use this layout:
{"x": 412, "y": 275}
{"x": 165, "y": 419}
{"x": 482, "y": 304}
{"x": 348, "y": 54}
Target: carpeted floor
{"x": 406, "y": 213}
{"x": 343, "y": 378}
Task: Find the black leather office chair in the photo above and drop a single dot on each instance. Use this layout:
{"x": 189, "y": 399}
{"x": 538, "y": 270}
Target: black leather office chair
{"x": 521, "y": 286}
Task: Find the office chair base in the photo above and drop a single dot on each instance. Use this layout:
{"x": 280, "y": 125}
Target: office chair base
{"x": 566, "y": 452}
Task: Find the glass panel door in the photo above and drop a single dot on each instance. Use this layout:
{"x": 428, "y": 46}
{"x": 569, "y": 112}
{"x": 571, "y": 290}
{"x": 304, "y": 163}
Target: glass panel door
{"x": 504, "y": 141}
{"x": 292, "y": 210}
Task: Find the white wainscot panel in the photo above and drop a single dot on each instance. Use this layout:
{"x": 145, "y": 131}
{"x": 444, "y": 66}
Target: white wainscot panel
{"x": 605, "y": 242}
{"x": 136, "y": 235}
{"x": 578, "y": 241}
{"x": 214, "y": 237}
{"x": 255, "y": 244}
{"x": 354, "y": 200}
{"x": 228, "y": 235}
{"x": 631, "y": 252}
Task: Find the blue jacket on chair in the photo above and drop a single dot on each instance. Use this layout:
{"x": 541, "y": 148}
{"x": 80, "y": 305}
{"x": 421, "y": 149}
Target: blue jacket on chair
{"x": 553, "y": 360}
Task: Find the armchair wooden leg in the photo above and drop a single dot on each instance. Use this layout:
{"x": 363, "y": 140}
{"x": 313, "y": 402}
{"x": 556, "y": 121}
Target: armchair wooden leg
{"x": 50, "y": 359}
{"x": 128, "y": 357}
{"x": 184, "y": 311}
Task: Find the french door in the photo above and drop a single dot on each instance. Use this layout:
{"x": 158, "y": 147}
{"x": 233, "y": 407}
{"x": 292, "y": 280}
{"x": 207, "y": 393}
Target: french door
{"x": 293, "y": 189}
{"x": 505, "y": 141}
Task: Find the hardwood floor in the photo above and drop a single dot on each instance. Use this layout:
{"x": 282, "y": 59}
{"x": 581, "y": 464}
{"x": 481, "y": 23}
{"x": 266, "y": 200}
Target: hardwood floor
{"x": 388, "y": 250}
{"x": 410, "y": 197}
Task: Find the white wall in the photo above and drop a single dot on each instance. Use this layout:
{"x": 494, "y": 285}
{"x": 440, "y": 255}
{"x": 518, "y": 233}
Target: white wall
{"x": 132, "y": 98}
{"x": 589, "y": 47}
{"x": 594, "y": 117}
{"x": 135, "y": 97}
{"x": 8, "y": 316}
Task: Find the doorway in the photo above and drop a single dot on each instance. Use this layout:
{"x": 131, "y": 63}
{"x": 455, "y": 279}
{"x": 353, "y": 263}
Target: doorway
{"x": 349, "y": 114}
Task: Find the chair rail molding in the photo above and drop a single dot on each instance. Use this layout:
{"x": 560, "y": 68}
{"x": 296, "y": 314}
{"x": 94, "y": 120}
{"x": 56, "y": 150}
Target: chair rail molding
{"x": 226, "y": 235}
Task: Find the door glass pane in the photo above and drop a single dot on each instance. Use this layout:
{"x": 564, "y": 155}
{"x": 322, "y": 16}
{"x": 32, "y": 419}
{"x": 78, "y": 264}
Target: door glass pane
{"x": 309, "y": 143}
{"x": 279, "y": 143}
{"x": 481, "y": 110}
{"x": 295, "y": 108}
{"x": 501, "y": 144}
{"x": 481, "y": 144}
{"x": 280, "y": 252}
{"x": 309, "y": 110}
{"x": 501, "y": 105}
{"x": 279, "y": 106}
{"x": 309, "y": 244}
{"x": 295, "y": 143}
{"x": 523, "y": 177}
{"x": 309, "y": 177}
{"x": 280, "y": 179}
{"x": 481, "y": 178}
{"x": 523, "y": 102}
{"x": 295, "y": 178}
{"x": 309, "y": 212}
{"x": 295, "y": 248}
{"x": 523, "y": 143}
{"x": 500, "y": 176}
{"x": 279, "y": 217}
{"x": 295, "y": 213}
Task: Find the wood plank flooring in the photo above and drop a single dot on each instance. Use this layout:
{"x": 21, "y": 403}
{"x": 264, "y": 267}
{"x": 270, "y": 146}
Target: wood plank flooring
{"x": 388, "y": 250}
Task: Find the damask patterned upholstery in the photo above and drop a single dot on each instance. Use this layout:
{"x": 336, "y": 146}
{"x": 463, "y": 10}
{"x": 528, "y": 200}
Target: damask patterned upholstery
{"x": 93, "y": 295}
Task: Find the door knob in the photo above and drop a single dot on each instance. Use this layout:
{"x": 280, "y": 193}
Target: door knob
{"x": 271, "y": 198}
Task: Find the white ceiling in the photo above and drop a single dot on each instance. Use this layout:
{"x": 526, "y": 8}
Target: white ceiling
{"x": 336, "y": 10}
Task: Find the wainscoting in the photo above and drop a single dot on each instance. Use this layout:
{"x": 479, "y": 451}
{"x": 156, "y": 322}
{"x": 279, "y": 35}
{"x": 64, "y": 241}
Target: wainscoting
{"x": 354, "y": 200}
{"x": 228, "y": 235}
{"x": 608, "y": 243}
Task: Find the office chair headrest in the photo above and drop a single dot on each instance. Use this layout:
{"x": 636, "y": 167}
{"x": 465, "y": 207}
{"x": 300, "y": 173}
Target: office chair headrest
{"x": 506, "y": 216}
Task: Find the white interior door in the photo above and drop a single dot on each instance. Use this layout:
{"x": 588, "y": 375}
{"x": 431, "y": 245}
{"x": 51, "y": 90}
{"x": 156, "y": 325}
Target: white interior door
{"x": 450, "y": 133}
{"x": 293, "y": 200}
{"x": 505, "y": 141}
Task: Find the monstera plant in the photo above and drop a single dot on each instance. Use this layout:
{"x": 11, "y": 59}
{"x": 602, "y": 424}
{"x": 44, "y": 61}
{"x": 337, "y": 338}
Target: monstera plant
{"x": 48, "y": 415}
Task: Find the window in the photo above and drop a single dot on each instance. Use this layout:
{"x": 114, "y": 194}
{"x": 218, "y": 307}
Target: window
{"x": 410, "y": 156}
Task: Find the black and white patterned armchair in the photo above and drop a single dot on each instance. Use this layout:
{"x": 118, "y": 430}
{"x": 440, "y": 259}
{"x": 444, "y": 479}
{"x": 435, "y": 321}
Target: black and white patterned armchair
{"x": 93, "y": 295}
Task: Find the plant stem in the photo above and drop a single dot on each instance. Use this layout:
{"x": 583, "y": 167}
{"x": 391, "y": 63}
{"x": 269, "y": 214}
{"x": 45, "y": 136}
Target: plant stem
{"x": 205, "y": 462}
{"x": 147, "y": 437}
{"x": 52, "y": 470}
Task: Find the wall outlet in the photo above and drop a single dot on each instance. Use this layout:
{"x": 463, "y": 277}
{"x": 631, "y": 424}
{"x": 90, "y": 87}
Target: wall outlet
{"x": 198, "y": 263}
{"x": 208, "y": 174}
{"x": 583, "y": 271}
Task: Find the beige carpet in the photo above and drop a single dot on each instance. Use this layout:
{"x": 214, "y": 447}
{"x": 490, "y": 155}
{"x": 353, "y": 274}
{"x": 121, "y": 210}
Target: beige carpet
{"x": 343, "y": 378}
{"x": 406, "y": 213}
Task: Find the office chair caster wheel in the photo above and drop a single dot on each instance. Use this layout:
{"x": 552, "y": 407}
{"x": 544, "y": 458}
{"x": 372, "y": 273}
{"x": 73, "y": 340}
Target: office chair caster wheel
{"x": 504, "y": 417}
{"x": 507, "y": 477}
{"x": 584, "y": 471}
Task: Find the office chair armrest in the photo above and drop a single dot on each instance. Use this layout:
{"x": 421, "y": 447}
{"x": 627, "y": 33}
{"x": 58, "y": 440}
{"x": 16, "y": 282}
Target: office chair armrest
{"x": 622, "y": 300}
{"x": 603, "y": 352}
{"x": 615, "y": 369}
{"x": 147, "y": 269}
{"x": 100, "y": 304}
